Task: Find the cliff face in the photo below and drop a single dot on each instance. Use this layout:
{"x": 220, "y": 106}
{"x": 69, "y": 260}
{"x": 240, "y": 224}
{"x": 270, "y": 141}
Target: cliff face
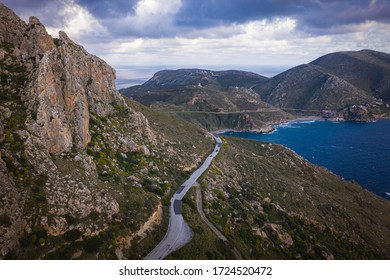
{"x": 48, "y": 93}
{"x": 75, "y": 159}
{"x": 67, "y": 84}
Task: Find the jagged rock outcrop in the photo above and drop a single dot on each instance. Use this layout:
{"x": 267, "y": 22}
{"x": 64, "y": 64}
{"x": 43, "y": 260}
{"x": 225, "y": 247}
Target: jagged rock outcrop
{"x": 11, "y": 27}
{"x": 66, "y": 85}
{"x": 358, "y": 113}
{"x": 78, "y": 165}
{"x": 30, "y": 40}
{"x": 12, "y": 222}
{"x": 36, "y": 39}
{"x": 50, "y": 90}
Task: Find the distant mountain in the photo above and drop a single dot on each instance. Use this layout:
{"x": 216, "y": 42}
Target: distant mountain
{"x": 339, "y": 86}
{"x": 367, "y": 70}
{"x": 224, "y": 98}
{"x": 332, "y": 82}
{"x": 310, "y": 87}
{"x": 199, "y": 90}
{"x": 168, "y": 79}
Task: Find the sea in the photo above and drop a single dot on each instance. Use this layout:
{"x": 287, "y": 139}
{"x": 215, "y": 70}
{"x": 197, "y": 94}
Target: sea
{"x": 354, "y": 151}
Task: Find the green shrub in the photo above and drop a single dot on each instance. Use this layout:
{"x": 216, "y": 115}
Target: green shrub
{"x": 94, "y": 215}
{"x": 5, "y": 220}
{"x": 91, "y": 244}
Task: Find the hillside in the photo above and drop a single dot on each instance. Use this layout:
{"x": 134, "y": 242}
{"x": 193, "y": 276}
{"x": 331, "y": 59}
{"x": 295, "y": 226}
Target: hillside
{"x": 346, "y": 85}
{"x": 212, "y": 99}
{"x": 272, "y": 204}
{"x": 169, "y": 79}
{"x": 312, "y": 88}
{"x": 79, "y": 166}
{"x": 366, "y": 70}
{"x": 199, "y": 90}
{"x": 338, "y": 86}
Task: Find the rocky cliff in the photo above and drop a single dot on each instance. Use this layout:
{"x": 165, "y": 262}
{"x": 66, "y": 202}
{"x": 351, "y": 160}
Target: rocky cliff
{"x": 67, "y": 85}
{"x": 76, "y": 160}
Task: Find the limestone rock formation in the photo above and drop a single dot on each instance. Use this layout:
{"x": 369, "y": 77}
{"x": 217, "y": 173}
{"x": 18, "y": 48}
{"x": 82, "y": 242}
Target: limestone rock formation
{"x": 11, "y": 27}
{"x": 69, "y": 142}
{"x": 67, "y": 83}
{"x": 50, "y": 90}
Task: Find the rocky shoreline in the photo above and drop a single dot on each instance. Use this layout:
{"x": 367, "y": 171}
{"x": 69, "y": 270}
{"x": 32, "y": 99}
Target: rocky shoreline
{"x": 333, "y": 116}
{"x": 271, "y": 127}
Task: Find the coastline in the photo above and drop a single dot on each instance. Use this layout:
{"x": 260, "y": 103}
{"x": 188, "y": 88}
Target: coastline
{"x": 271, "y": 127}
{"x": 348, "y": 148}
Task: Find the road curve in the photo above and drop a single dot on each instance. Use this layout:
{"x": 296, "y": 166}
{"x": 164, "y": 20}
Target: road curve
{"x": 179, "y": 233}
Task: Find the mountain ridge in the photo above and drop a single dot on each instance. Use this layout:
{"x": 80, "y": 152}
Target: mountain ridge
{"x": 339, "y": 82}
{"x": 213, "y": 99}
{"x": 338, "y": 86}
{"x": 370, "y": 66}
{"x": 188, "y": 77}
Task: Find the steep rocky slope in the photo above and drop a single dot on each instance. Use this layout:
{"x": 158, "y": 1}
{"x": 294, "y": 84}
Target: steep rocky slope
{"x": 79, "y": 167}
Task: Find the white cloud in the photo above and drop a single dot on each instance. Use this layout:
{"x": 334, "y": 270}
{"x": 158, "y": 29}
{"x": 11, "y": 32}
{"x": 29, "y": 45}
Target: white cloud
{"x": 147, "y": 37}
{"x": 262, "y": 43}
{"x": 77, "y": 22}
{"x": 155, "y": 8}
{"x": 152, "y": 18}
{"x": 278, "y": 28}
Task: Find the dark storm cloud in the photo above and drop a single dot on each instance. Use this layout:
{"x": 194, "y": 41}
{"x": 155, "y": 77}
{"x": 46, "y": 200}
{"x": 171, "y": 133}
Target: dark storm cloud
{"x": 108, "y": 8}
{"x": 341, "y": 13}
{"x": 310, "y": 14}
{"x": 22, "y": 5}
{"x": 206, "y": 13}
{"x": 47, "y": 10}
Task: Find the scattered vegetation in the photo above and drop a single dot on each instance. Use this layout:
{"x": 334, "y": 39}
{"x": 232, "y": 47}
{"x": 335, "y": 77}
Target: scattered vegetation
{"x": 13, "y": 78}
{"x": 204, "y": 245}
{"x": 252, "y": 193}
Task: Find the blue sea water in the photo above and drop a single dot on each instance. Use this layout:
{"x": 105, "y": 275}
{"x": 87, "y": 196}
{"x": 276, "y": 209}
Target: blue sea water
{"x": 354, "y": 151}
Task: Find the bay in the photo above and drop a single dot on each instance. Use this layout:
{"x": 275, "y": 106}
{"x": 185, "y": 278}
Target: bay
{"x": 354, "y": 151}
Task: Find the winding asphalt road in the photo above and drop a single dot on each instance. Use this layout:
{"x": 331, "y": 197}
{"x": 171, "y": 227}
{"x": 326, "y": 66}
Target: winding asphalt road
{"x": 179, "y": 233}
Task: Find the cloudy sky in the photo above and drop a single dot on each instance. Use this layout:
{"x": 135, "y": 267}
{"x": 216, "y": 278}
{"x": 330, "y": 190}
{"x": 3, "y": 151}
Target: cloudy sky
{"x": 252, "y": 34}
